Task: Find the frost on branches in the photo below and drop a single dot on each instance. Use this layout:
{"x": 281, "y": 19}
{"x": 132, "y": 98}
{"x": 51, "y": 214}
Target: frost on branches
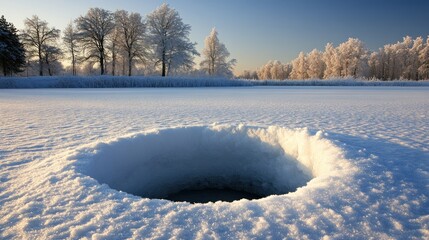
{"x": 168, "y": 37}
{"x": 274, "y": 70}
{"x": 406, "y": 60}
{"x": 215, "y": 56}
{"x": 93, "y": 30}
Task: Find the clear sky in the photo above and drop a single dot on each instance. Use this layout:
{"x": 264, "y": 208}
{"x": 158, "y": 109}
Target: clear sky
{"x": 255, "y": 31}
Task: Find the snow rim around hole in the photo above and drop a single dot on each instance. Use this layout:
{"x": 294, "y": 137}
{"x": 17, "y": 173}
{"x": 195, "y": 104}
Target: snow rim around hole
{"x": 264, "y": 161}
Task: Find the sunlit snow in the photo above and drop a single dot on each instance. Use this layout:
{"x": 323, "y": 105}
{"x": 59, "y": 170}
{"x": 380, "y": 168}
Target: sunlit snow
{"x": 330, "y": 162}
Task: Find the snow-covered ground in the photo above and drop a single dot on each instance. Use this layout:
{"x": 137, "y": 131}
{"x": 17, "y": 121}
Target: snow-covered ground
{"x": 359, "y": 157}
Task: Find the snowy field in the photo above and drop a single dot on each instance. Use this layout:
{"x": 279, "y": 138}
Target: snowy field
{"x": 354, "y": 159}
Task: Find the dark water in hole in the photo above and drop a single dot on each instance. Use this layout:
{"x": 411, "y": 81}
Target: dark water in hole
{"x": 211, "y": 195}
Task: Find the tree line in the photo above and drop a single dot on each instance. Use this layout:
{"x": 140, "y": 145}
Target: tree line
{"x": 126, "y": 43}
{"x": 116, "y": 43}
{"x": 406, "y": 60}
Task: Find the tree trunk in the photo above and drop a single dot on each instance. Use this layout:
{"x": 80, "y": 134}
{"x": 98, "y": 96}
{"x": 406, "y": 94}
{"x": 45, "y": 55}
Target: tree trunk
{"x": 4, "y": 68}
{"x": 113, "y": 64}
{"x": 124, "y": 62}
{"x": 40, "y": 63}
{"x": 113, "y": 59}
{"x": 163, "y": 64}
{"x": 73, "y": 64}
{"x": 102, "y": 62}
{"x": 130, "y": 63}
{"x": 48, "y": 65}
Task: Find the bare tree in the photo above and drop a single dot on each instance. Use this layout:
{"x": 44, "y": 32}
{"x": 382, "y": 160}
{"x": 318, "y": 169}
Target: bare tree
{"x": 39, "y": 37}
{"x": 70, "y": 40}
{"x": 131, "y": 30}
{"x": 169, "y": 38}
{"x": 51, "y": 57}
{"x": 215, "y": 56}
{"x": 113, "y": 47}
{"x": 93, "y": 31}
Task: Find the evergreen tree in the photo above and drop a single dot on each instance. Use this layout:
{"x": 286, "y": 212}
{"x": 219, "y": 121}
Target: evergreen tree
{"x": 12, "y": 53}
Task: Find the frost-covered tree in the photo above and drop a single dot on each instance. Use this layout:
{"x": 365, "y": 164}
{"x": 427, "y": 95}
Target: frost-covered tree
{"x": 299, "y": 67}
{"x": 332, "y": 62}
{"x": 374, "y": 64}
{"x": 131, "y": 29}
{"x": 93, "y": 31}
{"x": 12, "y": 52}
{"x": 279, "y": 71}
{"x": 414, "y": 61}
{"x": 397, "y": 61}
{"x": 39, "y": 37}
{"x": 264, "y": 73}
{"x": 70, "y": 42}
{"x": 275, "y": 70}
{"x": 353, "y": 58}
{"x": 316, "y": 66}
{"x": 424, "y": 60}
{"x": 168, "y": 38}
{"x": 401, "y": 56}
{"x": 248, "y": 74}
{"x": 402, "y": 60}
{"x": 215, "y": 56}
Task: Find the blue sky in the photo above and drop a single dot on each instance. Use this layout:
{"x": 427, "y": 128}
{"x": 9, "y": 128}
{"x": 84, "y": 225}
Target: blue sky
{"x": 256, "y": 31}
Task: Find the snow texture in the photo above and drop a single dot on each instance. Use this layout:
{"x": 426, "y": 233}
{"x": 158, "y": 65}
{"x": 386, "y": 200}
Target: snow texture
{"x": 359, "y": 158}
{"x": 159, "y": 82}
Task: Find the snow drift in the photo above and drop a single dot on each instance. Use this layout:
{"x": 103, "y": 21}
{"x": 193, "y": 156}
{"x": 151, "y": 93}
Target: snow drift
{"x": 260, "y": 161}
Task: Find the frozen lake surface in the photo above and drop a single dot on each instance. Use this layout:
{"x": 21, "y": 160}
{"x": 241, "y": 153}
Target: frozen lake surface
{"x": 361, "y": 158}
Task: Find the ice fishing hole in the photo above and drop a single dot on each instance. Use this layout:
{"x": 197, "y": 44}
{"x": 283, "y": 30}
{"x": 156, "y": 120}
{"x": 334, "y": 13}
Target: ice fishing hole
{"x": 207, "y": 163}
